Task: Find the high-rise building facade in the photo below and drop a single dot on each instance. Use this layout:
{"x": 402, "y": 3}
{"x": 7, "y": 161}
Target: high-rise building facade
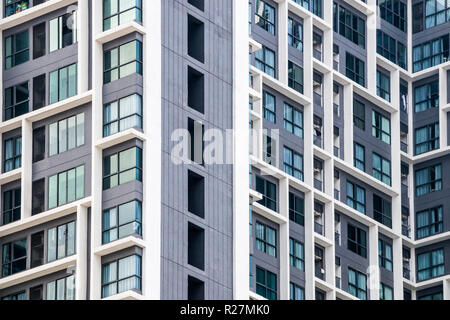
{"x": 132, "y": 167}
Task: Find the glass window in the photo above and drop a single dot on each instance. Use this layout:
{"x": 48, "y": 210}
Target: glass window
{"x": 386, "y": 292}
{"x": 296, "y": 254}
{"x": 383, "y": 86}
{"x": 266, "y": 239}
{"x": 355, "y": 69}
{"x": 269, "y": 107}
{"x": 269, "y": 192}
{"x": 357, "y": 240}
{"x": 314, "y": 6}
{"x": 16, "y": 296}
{"x": 16, "y": 101}
{"x": 265, "y": 16}
{"x": 117, "y": 12}
{"x": 394, "y": 12}
{"x": 359, "y": 154}
{"x": 381, "y": 168}
{"x": 296, "y": 209}
{"x": 428, "y": 180}
{"x": 381, "y": 127}
{"x": 266, "y": 283}
{"x": 122, "y": 167}
{"x": 296, "y": 292}
{"x": 436, "y": 12}
{"x": 295, "y": 77}
{"x": 122, "y": 114}
{"x": 17, "y": 49}
{"x": 265, "y": 61}
{"x": 295, "y": 34}
{"x": 14, "y": 257}
{"x": 385, "y": 255}
{"x": 61, "y": 241}
{"x": 66, "y": 134}
{"x": 427, "y": 138}
{"x": 123, "y": 61}
{"x": 430, "y": 264}
{"x": 122, "y": 275}
{"x": 293, "y": 163}
{"x": 66, "y": 187}
{"x": 11, "y": 206}
{"x": 357, "y": 284}
{"x": 431, "y": 53}
{"x": 352, "y": 27}
{"x": 382, "y": 211}
{"x": 122, "y": 221}
{"x": 426, "y": 96}
{"x": 359, "y": 115}
{"x": 293, "y": 120}
{"x": 63, "y": 31}
{"x": 356, "y": 197}
{"x": 63, "y": 83}
{"x": 61, "y": 289}
{"x": 429, "y": 222}
{"x": 12, "y": 154}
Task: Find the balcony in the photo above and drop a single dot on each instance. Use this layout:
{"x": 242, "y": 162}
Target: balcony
{"x": 318, "y": 228}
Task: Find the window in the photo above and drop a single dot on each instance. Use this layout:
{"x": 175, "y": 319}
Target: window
{"x": 123, "y": 61}
{"x": 296, "y": 209}
{"x": 428, "y": 180}
{"x": 295, "y": 77}
{"x": 265, "y": 16}
{"x": 196, "y": 141}
{"x": 196, "y": 39}
{"x": 382, "y": 211}
{"x": 383, "y": 86}
{"x": 269, "y": 149}
{"x": 436, "y": 12}
{"x": 381, "y": 127}
{"x": 122, "y": 167}
{"x": 61, "y": 242}
{"x": 117, "y": 12}
{"x": 16, "y": 296}
{"x": 196, "y": 289}
{"x": 16, "y": 101}
{"x": 66, "y": 187}
{"x": 357, "y": 284}
{"x": 427, "y": 138}
{"x": 417, "y": 10}
{"x": 293, "y": 120}
{"x": 38, "y": 196}
{"x": 266, "y": 239}
{"x": 12, "y": 158}
{"x": 61, "y": 289}
{"x": 196, "y": 246}
{"x": 269, "y": 107}
{"x": 196, "y": 194}
{"x": 122, "y": 114}
{"x": 381, "y": 168}
{"x": 37, "y": 249}
{"x": 63, "y": 83}
{"x": 359, "y": 154}
{"x": 429, "y": 222}
{"x": 352, "y": 27}
{"x": 39, "y": 40}
{"x": 11, "y": 206}
{"x": 296, "y": 292}
{"x": 196, "y": 90}
{"x": 430, "y": 264}
{"x": 386, "y": 292}
{"x": 39, "y": 92}
{"x": 265, "y": 61}
{"x": 63, "y": 31}
{"x": 359, "y": 115}
{"x": 66, "y": 134}
{"x": 122, "y": 221}
{"x": 17, "y": 49}
{"x": 394, "y": 12}
{"x": 296, "y": 254}
{"x": 199, "y": 4}
{"x": 314, "y": 6}
{"x": 38, "y": 144}
{"x": 14, "y": 257}
{"x": 295, "y": 34}
{"x": 356, "y": 197}
{"x": 122, "y": 275}
{"x": 355, "y": 69}
{"x": 266, "y": 283}
{"x": 269, "y": 192}
{"x": 431, "y": 53}
{"x": 391, "y": 49}
{"x": 293, "y": 163}
{"x": 357, "y": 241}
{"x": 15, "y": 6}
{"x": 434, "y": 296}
{"x": 426, "y": 96}
{"x": 385, "y": 255}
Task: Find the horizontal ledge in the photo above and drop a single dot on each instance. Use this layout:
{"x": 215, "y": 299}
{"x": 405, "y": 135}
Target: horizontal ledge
{"x": 120, "y": 31}
{"x": 120, "y": 137}
{"x": 118, "y": 245}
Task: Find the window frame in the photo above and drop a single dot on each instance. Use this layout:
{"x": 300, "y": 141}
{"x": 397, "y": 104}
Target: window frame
{"x": 137, "y": 61}
{"x": 263, "y": 244}
{"x": 15, "y": 208}
{"x": 263, "y": 20}
{"x": 296, "y": 259}
{"x": 117, "y": 275}
{"x": 137, "y": 17}
{"x": 433, "y": 227}
{"x": 354, "y": 203}
{"x": 14, "y": 52}
{"x": 291, "y": 112}
{"x": 137, "y": 168}
{"x": 137, "y": 220}
{"x": 377, "y": 127}
{"x": 265, "y": 286}
{"x": 57, "y": 198}
{"x": 68, "y": 94}
{"x": 289, "y": 164}
{"x": 15, "y": 104}
{"x": 118, "y": 120}
{"x": 360, "y": 241}
{"x": 383, "y": 260}
{"x": 293, "y": 83}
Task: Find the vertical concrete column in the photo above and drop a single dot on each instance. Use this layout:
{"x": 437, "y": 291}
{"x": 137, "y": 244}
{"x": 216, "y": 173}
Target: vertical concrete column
{"x": 1, "y": 59}
{"x": 348, "y": 123}
{"x": 446, "y": 288}
{"x": 241, "y": 239}
{"x": 413, "y": 265}
{"x": 374, "y": 269}
{"x": 397, "y": 252}
{"x": 81, "y": 245}
{"x": 27, "y": 168}
{"x": 443, "y": 85}
{"x": 409, "y": 36}
{"x": 328, "y": 142}
{"x": 283, "y": 41}
{"x": 410, "y": 119}
{"x": 82, "y": 26}
{"x": 309, "y": 246}
{"x": 284, "y": 240}
{"x": 151, "y": 282}
{"x": 327, "y": 53}
{"x": 371, "y": 48}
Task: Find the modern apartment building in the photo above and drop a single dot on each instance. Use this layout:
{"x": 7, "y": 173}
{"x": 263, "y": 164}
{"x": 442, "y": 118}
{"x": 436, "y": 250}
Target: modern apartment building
{"x": 330, "y": 185}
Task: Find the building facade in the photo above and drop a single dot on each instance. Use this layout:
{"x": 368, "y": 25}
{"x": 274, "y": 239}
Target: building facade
{"x": 132, "y": 168}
